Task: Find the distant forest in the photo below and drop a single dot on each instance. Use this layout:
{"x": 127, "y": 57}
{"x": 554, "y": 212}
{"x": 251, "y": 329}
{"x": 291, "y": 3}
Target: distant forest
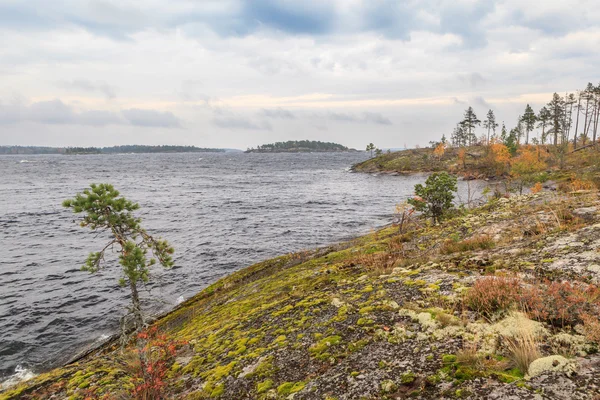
{"x": 297, "y": 146}
{"x": 105, "y": 150}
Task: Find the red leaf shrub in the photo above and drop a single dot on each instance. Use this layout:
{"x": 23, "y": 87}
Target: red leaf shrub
{"x": 154, "y": 356}
{"x": 561, "y": 303}
{"x": 492, "y": 294}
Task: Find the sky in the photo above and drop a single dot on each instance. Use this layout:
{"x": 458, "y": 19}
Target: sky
{"x": 239, "y": 73}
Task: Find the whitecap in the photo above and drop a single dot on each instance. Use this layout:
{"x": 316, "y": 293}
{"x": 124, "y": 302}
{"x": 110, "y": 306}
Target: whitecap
{"x": 21, "y": 374}
{"x": 180, "y": 300}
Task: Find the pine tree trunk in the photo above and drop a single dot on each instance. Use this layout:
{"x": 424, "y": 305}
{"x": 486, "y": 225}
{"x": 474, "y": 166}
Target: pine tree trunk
{"x": 587, "y": 104}
{"x": 596, "y": 123}
{"x": 577, "y": 124}
{"x": 137, "y": 311}
{"x": 543, "y": 133}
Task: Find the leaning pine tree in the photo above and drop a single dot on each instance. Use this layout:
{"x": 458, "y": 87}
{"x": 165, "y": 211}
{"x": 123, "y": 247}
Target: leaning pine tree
{"x": 104, "y": 211}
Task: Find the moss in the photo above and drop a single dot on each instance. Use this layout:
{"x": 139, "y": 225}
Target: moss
{"x": 407, "y": 378}
{"x": 366, "y": 310}
{"x": 365, "y": 322}
{"x": 217, "y": 390}
{"x": 263, "y": 386}
{"x": 448, "y": 359}
{"x": 280, "y": 339}
{"x": 324, "y": 344}
{"x": 284, "y": 310}
{"x": 219, "y": 372}
{"x": 287, "y": 388}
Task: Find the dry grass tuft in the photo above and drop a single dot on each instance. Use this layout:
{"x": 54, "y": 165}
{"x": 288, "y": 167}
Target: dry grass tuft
{"x": 477, "y": 243}
{"x": 467, "y": 356}
{"x": 523, "y": 348}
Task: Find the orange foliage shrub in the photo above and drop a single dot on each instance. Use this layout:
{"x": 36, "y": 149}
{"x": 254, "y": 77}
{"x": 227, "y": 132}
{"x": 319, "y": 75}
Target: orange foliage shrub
{"x": 579, "y": 184}
{"x": 561, "y": 303}
{"x": 439, "y": 151}
{"x": 557, "y": 303}
{"x": 499, "y": 157}
{"x": 537, "y": 188}
{"x": 492, "y": 294}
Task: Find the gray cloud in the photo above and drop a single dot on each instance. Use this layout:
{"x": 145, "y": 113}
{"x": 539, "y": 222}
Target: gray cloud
{"x": 392, "y": 18}
{"x": 238, "y": 122}
{"x": 151, "y": 118}
{"x": 277, "y": 113}
{"x": 473, "y": 80}
{"x": 364, "y": 118}
{"x": 55, "y": 112}
{"x": 480, "y": 101}
{"x": 84, "y": 85}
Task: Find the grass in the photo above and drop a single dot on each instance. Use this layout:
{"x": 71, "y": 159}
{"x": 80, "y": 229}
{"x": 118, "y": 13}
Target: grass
{"x": 523, "y": 348}
{"x": 477, "y": 243}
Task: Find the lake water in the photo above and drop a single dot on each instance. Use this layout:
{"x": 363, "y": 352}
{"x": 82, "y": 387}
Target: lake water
{"x": 221, "y": 212}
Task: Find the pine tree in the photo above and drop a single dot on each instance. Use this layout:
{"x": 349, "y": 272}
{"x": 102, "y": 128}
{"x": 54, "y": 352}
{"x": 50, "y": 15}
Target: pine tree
{"x": 528, "y": 119}
{"x": 104, "y": 210}
{"x": 469, "y": 123}
{"x": 490, "y": 124}
{"x": 503, "y": 133}
{"x": 371, "y": 147}
{"x": 458, "y": 136}
{"x": 543, "y": 119}
{"x": 555, "y": 110}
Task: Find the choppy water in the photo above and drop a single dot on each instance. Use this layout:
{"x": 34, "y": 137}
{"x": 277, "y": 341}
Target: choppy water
{"x": 222, "y": 212}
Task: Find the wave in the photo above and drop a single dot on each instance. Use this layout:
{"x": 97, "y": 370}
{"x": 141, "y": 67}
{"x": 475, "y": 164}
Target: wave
{"x": 21, "y": 374}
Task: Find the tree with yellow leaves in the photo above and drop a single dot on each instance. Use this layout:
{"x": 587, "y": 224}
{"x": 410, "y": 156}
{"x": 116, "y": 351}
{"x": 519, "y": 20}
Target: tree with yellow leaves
{"x": 499, "y": 157}
{"x": 439, "y": 151}
{"x": 526, "y": 167}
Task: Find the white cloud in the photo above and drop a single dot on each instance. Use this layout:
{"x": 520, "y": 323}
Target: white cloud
{"x": 286, "y": 69}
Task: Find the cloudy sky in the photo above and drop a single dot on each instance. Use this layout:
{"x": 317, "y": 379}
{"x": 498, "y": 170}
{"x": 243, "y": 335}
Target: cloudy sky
{"x": 235, "y": 73}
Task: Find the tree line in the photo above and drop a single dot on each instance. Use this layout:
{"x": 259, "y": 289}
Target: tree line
{"x": 572, "y": 118}
{"x": 298, "y": 145}
{"x": 105, "y": 150}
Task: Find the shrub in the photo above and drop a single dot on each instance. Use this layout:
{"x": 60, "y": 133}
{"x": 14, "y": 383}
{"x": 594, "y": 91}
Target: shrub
{"x": 435, "y": 198}
{"x": 476, "y": 243}
{"x": 561, "y": 303}
{"x": 150, "y": 362}
{"x": 537, "y": 188}
{"x": 591, "y": 327}
{"x": 491, "y": 294}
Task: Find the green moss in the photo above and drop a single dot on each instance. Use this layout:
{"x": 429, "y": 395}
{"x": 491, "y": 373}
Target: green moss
{"x": 407, "y": 378}
{"x": 217, "y": 390}
{"x": 366, "y": 310}
{"x": 282, "y": 311}
{"x": 324, "y": 344}
{"x": 219, "y": 372}
{"x": 365, "y": 322}
{"x": 448, "y": 359}
{"x": 280, "y": 339}
{"x": 262, "y": 387}
{"x": 287, "y": 388}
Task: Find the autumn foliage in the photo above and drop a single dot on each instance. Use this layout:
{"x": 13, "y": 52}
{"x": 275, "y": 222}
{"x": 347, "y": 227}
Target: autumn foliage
{"x": 150, "y": 362}
{"x": 557, "y": 303}
{"x": 499, "y": 157}
{"x": 439, "y": 151}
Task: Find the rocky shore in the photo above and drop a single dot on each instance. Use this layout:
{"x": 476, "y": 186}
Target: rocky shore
{"x": 394, "y": 314}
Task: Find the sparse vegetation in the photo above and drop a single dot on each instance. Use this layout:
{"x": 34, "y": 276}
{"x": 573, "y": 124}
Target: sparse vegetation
{"x": 393, "y": 313}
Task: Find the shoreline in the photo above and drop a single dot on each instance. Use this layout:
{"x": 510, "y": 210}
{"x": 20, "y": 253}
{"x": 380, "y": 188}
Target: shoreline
{"x": 278, "y": 309}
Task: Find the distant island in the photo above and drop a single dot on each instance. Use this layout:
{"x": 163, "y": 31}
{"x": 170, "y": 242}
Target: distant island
{"x": 299, "y": 146}
{"x": 107, "y": 150}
